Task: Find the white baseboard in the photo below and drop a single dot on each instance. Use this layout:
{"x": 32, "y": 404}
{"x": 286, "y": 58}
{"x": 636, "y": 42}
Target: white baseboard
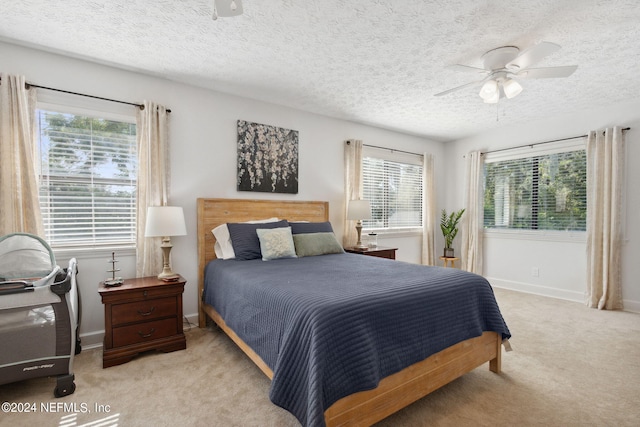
{"x": 633, "y": 306}
{"x": 91, "y": 340}
{"x": 193, "y": 319}
{"x": 629, "y": 305}
{"x": 537, "y": 289}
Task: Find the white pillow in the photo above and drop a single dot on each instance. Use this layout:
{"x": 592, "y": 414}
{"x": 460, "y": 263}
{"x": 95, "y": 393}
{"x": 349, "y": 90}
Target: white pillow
{"x": 223, "y": 247}
{"x": 276, "y": 243}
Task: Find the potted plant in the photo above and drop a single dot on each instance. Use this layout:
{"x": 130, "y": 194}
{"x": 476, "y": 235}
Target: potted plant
{"x": 449, "y": 227}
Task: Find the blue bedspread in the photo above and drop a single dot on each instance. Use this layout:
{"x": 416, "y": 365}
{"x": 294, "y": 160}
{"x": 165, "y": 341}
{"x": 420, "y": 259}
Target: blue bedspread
{"x": 332, "y": 325}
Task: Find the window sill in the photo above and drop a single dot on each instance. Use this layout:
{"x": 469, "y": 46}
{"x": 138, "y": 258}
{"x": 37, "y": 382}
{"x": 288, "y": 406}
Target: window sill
{"x": 394, "y": 233}
{"x": 541, "y": 235}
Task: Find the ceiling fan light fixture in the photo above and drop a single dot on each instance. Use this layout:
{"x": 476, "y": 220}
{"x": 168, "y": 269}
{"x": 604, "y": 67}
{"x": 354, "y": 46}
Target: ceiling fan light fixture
{"x": 226, "y": 8}
{"x": 489, "y": 90}
{"x": 511, "y": 88}
{"x": 504, "y": 64}
{"x": 492, "y": 99}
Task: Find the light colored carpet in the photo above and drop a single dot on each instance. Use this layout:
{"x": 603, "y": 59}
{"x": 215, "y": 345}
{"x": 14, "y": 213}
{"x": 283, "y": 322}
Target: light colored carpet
{"x": 571, "y": 366}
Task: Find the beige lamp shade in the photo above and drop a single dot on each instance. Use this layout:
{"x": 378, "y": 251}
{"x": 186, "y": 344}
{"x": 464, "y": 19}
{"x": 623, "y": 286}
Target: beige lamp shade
{"x": 165, "y": 221}
{"x": 359, "y": 209}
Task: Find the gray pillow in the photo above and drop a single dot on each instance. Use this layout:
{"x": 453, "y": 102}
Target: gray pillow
{"x": 312, "y": 244}
{"x": 276, "y": 243}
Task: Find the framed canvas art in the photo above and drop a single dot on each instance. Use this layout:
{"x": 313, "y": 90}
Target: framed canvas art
{"x": 267, "y": 158}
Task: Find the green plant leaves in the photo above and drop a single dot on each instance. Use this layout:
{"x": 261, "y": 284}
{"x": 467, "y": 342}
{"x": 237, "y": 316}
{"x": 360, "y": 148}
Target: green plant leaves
{"x": 449, "y": 225}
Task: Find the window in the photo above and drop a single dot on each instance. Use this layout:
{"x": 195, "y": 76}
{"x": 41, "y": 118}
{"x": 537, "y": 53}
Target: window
{"x": 393, "y": 185}
{"x": 88, "y": 168}
{"x": 545, "y": 190}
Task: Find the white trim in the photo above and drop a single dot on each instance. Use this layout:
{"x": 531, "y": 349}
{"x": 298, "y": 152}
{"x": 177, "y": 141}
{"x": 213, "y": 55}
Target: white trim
{"x": 530, "y": 288}
{"x": 543, "y": 235}
{"x": 632, "y": 306}
{"x": 391, "y": 155}
{"x": 545, "y": 291}
{"x": 574, "y": 144}
{"x": 91, "y": 340}
{"x": 82, "y": 105}
{"x": 386, "y": 232}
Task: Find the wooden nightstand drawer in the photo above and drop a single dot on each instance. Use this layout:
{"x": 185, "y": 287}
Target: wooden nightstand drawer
{"x": 143, "y": 332}
{"x": 143, "y": 311}
{"x": 128, "y": 292}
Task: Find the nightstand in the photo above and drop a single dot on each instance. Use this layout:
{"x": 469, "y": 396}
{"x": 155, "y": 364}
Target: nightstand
{"x": 378, "y": 251}
{"x": 140, "y": 315}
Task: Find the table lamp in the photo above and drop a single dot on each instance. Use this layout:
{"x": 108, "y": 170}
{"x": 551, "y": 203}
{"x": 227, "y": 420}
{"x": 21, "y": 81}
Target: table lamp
{"x": 165, "y": 221}
{"x": 359, "y": 210}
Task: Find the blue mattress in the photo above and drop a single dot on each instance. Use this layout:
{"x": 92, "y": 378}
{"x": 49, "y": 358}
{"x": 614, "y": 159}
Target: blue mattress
{"x": 332, "y": 325}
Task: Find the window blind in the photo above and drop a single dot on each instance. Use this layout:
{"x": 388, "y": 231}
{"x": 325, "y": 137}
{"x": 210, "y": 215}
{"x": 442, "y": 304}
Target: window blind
{"x": 394, "y": 190}
{"x": 539, "y": 192}
{"x": 88, "y": 175}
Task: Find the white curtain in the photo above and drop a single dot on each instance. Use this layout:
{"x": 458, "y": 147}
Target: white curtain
{"x": 428, "y": 210}
{"x": 472, "y": 219}
{"x": 19, "y": 205}
{"x": 605, "y": 166}
{"x": 153, "y": 179}
{"x": 352, "y": 186}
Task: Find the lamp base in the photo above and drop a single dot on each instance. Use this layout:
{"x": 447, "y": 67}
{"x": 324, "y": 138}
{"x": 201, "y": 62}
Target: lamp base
{"x": 359, "y": 244}
{"x": 171, "y": 277}
{"x": 167, "y": 275}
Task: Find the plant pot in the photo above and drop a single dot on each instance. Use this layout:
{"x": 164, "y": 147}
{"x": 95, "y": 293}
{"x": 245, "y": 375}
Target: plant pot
{"x": 448, "y": 253}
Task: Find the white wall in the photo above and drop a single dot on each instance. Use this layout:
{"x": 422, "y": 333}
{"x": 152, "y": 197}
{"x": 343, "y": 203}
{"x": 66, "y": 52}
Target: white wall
{"x": 203, "y": 157}
{"x": 508, "y": 261}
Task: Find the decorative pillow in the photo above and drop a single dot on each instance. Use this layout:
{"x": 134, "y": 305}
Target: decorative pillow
{"x": 223, "y": 247}
{"x": 312, "y": 244}
{"x": 244, "y": 238}
{"x": 311, "y": 227}
{"x": 276, "y": 243}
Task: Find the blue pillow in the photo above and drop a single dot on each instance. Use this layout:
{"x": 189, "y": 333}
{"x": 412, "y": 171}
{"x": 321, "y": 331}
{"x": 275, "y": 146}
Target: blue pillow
{"x": 244, "y": 238}
{"x": 310, "y": 227}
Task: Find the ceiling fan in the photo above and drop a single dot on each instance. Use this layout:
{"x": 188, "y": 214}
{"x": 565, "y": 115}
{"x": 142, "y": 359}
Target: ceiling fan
{"x": 504, "y": 65}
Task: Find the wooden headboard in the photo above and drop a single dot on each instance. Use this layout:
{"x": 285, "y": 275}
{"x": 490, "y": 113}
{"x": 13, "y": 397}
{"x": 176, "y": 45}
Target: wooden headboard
{"x": 213, "y": 212}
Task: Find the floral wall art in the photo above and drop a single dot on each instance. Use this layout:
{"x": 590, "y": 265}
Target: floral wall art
{"x": 267, "y": 158}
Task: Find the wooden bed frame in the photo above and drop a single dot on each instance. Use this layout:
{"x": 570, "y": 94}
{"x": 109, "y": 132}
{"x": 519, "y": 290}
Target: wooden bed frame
{"x": 395, "y": 391}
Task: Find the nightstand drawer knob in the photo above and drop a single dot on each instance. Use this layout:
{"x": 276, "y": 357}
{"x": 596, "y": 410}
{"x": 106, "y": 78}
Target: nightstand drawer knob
{"x": 143, "y": 335}
{"x": 148, "y": 312}
{"x": 144, "y": 294}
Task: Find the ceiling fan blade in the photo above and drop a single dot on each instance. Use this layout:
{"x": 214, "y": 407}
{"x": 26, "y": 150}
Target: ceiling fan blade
{"x": 547, "y": 72}
{"x": 532, "y": 55}
{"x": 462, "y": 87}
{"x": 467, "y": 68}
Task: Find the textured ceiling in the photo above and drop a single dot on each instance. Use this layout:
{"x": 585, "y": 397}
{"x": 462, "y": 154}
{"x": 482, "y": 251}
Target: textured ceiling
{"x": 377, "y": 62}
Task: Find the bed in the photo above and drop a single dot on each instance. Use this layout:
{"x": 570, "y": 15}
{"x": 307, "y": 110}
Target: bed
{"x": 382, "y": 392}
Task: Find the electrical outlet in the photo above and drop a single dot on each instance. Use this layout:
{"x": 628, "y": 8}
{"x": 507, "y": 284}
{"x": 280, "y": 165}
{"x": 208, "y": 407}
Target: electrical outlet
{"x": 535, "y": 272}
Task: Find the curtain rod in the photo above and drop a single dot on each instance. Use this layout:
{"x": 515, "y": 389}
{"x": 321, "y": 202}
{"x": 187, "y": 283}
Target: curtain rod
{"x": 539, "y": 143}
{"x": 140, "y": 106}
{"x": 389, "y": 149}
